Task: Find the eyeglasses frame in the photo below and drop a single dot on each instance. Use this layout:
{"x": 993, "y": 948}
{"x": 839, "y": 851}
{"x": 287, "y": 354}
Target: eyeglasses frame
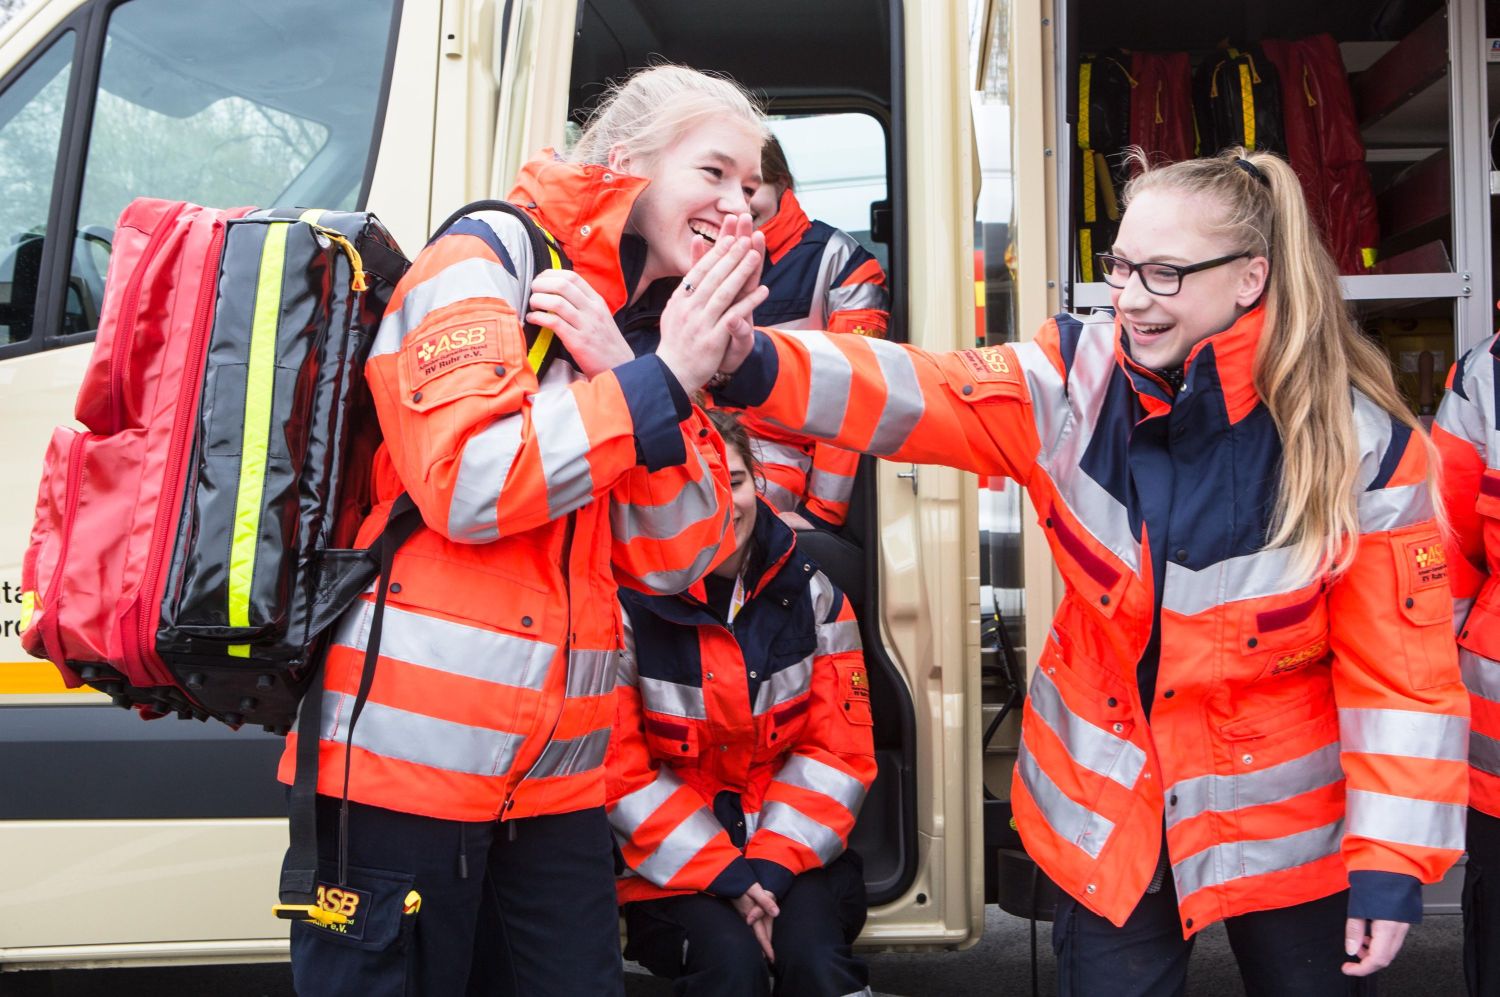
{"x": 1182, "y": 271}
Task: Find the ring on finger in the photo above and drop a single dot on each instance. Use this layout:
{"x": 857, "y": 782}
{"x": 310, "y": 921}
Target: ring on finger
{"x": 687, "y": 288}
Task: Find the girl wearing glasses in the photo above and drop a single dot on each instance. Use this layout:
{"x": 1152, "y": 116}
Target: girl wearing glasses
{"x": 1248, "y": 707}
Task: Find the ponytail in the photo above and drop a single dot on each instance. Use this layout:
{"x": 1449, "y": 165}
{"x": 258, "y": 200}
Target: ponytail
{"x": 1310, "y": 354}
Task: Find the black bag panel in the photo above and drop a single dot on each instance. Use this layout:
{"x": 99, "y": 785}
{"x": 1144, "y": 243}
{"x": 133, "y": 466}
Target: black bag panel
{"x": 316, "y": 487}
{"x": 1219, "y": 103}
{"x": 1104, "y": 86}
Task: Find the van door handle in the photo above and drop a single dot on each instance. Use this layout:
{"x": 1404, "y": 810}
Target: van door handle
{"x": 911, "y": 476}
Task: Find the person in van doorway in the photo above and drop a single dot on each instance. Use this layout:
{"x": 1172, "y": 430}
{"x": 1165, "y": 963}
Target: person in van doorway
{"x": 818, "y": 277}
{"x": 1249, "y": 707}
{"x": 1465, "y": 433}
{"x": 476, "y": 846}
{"x": 741, "y": 755}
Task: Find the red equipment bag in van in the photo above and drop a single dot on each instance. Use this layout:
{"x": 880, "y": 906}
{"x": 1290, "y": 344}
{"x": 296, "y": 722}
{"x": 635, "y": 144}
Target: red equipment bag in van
{"x": 191, "y": 544}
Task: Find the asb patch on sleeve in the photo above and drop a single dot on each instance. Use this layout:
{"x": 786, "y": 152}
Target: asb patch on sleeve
{"x": 991, "y": 363}
{"x": 1429, "y": 564}
{"x": 456, "y": 345}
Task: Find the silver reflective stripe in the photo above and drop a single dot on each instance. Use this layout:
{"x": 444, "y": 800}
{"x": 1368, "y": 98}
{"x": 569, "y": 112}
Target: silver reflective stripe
{"x": 829, "y": 378}
{"x": 781, "y": 499}
{"x": 1405, "y": 821}
{"x": 420, "y": 739}
{"x": 590, "y": 673}
{"x": 449, "y": 647}
{"x": 1481, "y": 675}
{"x": 1223, "y": 793}
{"x": 789, "y": 822}
{"x": 579, "y": 754}
{"x": 752, "y": 823}
{"x": 823, "y": 593}
{"x": 1393, "y": 508}
{"x": 1095, "y": 748}
{"x": 1461, "y": 609}
{"x": 1248, "y": 576}
{"x": 678, "y": 848}
{"x": 903, "y": 399}
{"x": 819, "y": 777}
{"x": 857, "y": 296}
{"x": 1071, "y": 821}
{"x": 472, "y": 278}
{"x": 1460, "y": 416}
{"x": 1484, "y": 753}
{"x": 694, "y": 503}
{"x": 672, "y": 582}
{"x": 830, "y": 486}
{"x": 782, "y": 454}
{"x": 672, "y": 698}
{"x": 563, "y": 442}
{"x": 1372, "y": 425}
{"x": 785, "y": 685}
{"x": 626, "y": 672}
{"x": 839, "y": 637}
{"x": 1066, "y": 418}
{"x": 1404, "y": 732}
{"x": 633, "y": 809}
{"x": 483, "y": 466}
{"x": 1231, "y": 860}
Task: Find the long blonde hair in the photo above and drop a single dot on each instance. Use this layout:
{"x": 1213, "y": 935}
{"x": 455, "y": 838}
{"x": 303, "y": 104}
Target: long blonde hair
{"x": 657, "y": 106}
{"x": 1310, "y": 353}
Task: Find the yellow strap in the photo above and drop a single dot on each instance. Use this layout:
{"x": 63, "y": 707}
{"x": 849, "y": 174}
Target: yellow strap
{"x": 1368, "y": 256}
{"x": 1085, "y": 73}
{"x": 538, "y": 351}
{"x": 1107, "y": 188}
{"x": 1159, "y": 85}
{"x": 979, "y": 293}
{"x": 1247, "y": 105}
{"x": 1086, "y": 254}
{"x": 1306, "y": 89}
{"x": 28, "y": 607}
{"x": 260, "y": 380}
{"x": 1090, "y": 205}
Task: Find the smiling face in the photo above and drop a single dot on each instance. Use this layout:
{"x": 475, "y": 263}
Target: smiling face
{"x": 1168, "y": 226}
{"x": 742, "y": 491}
{"x": 709, "y": 173}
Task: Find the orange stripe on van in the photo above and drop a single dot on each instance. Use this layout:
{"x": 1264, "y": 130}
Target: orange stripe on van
{"x": 32, "y": 677}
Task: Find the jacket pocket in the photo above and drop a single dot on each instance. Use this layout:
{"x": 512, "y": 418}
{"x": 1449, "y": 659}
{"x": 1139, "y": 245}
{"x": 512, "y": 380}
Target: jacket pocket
{"x": 670, "y": 737}
{"x": 1086, "y": 567}
{"x": 1425, "y": 602}
{"x": 372, "y": 953}
{"x": 477, "y": 353}
{"x": 854, "y": 693}
{"x": 1284, "y": 633}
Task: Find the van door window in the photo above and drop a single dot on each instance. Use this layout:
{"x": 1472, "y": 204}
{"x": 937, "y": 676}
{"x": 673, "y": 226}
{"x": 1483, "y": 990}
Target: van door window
{"x": 31, "y": 120}
{"x": 225, "y": 103}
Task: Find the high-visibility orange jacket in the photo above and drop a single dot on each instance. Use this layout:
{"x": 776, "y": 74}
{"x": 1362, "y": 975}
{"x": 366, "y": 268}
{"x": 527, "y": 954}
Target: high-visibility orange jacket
{"x": 743, "y": 747}
{"x": 1466, "y": 431}
{"x": 494, "y": 691}
{"x": 819, "y": 278}
{"x": 1303, "y": 735}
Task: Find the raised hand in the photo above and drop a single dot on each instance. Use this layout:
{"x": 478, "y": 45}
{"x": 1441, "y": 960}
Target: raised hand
{"x": 717, "y": 297}
{"x": 565, "y": 303}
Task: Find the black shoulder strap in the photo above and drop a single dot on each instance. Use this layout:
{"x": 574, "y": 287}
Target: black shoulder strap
{"x": 546, "y": 254}
{"x": 299, "y": 869}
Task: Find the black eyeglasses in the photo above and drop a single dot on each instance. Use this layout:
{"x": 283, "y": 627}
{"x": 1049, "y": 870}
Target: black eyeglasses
{"x": 1164, "y": 279}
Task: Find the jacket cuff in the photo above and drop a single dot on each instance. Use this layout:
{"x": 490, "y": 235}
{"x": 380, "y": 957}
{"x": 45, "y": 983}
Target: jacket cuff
{"x": 658, "y": 405}
{"x": 773, "y": 876}
{"x": 806, "y": 513}
{"x": 1385, "y": 896}
{"x": 736, "y": 878}
{"x": 752, "y": 383}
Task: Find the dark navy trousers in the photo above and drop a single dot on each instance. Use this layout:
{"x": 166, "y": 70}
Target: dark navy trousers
{"x": 1291, "y": 952}
{"x": 706, "y": 949}
{"x": 441, "y": 908}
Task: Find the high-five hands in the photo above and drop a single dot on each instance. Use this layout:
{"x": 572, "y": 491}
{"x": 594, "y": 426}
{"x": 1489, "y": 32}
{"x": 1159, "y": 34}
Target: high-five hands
{"x": 712, "y": 307}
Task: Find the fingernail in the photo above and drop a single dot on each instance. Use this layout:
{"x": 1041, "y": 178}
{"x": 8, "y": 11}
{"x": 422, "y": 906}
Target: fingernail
{"x": 1351, "y": 948}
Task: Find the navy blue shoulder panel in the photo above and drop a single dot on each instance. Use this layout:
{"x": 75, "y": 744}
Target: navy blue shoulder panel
{"x": 1069, "y": 332}
{"x": 1400, "y": 436}
{"x": 477, "y": 228}
{"x": 1458, "y": 374}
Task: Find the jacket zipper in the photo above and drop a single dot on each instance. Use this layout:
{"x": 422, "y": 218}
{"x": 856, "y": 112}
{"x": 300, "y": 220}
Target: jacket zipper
{"x": 119, "y": 356}
{"x": 54, "y": 591}
{"x": 187, "y": 409}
